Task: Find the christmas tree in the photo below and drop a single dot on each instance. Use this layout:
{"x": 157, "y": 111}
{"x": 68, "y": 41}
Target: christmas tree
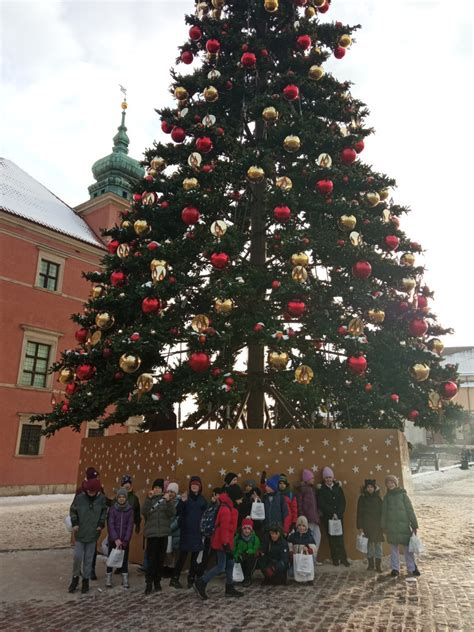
{"x": 261, "y": 269}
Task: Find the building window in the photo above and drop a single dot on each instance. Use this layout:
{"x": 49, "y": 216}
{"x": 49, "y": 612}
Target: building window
{"x": 30, "y": 440}
{"x": 95, "y": 432}
{"x": 124, "y": 194}
{"x": 35, "y": 364}
{"x": 48, "y": 275}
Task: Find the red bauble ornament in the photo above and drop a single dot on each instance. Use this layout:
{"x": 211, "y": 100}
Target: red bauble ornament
{"x": 345, "y": 179}
{"x": 448, "y": 390}
{"x": 219, "y": 260}
{"x": 199, "y": 361}
{"x": 137, "y": 196}
{"x": 167, "y": 377}
{"x": 229, "y": 85}
{"x": 395, "y": 398}
{"x": 107, "y": 353}
{"x": 150, "y": 305}
{"x": 166, "y": 127}
{"x": 190, "y": 215}
{"x": 264, "y": 52}
{"x": 213, "y": 46}
{"x": 391, "y": 242}
{"x": 413, "y": 415}
{"x": 296, "y": 308}
{"x": 85, "y": 371}
{"x": 324, "y": 186}
{"x": 178, "y": 134}
{"x": 403, "y": 307}
{"x": 81, "y": 335}
{"x": 71, "y": 388}
{"x": 418, "y": 327}
{"x": 112, "y": 246}
{"x": 362, "y": 269}
{"x": 282, "y": 214}
{"x": 300, "y": 3}
{"x": 342, "y": 330}
{"x": 229, "y": 381}
{"x": 291, "y": 92}
{"x": 248, "y": 60}
{"x": 341, "y": 243}
{"x": 118, "y": 376}
{"x": 422, "y": 301}
{"x": 187, "y": 57}
{"x": 303, "y": 42}
{"x": 117, "y": 278}
{"x": 339, "y": 52}
{"x": 258, "y": 327}
{"x": 276, "y": 284}
{"x": 359, "y": 146}
{"x": 135, "y": 337}
{"x": 204, "y": 144}
{"x": 207, "y": 169}
{"x": 357, "y": 364}
{"x": 65, "y": 408}
{"x": 216, "y": 372}
{"x": 348, "y": 156}
{"x": 195, "y": 33}
{"x": 324, "y": 8}
{"x": 153, "y": 245}
{"x": 368, "y": 387}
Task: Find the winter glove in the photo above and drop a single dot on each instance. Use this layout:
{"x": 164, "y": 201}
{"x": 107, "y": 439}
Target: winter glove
{"x": 269, "y": 572}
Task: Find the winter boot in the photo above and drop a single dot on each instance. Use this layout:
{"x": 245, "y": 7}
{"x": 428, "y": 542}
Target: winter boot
{"x": 200, "y": 587}
{"x": 157, "y": 585}
{"x": 148, "y": 587}
{"x": 394, "y": 573}
{"x": 370, "y": 565}
{"x": 74, "y": 584}
{"x": 85, "y": 586}
{"x": 231, "y": 592}
{"x": 125, "y": 583}
{"x": 416, "y": 572}
{"x": 174, "y": 582}
{"x": 247, "y": 582}
{"x": 191, "y": 581}
{"x": 108, "y": 580}
{"x": 378, "y": 565}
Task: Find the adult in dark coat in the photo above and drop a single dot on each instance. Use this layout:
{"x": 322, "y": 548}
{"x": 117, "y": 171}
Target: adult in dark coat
{"x": 332, "y": 505}
{"x": 189, "y": 510}
{"x": 369, "y": 522}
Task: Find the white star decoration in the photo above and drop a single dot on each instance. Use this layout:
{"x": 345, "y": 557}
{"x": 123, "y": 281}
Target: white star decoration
{"x": 365, "y": 448}
{"x": 350, "y": 439}
{"x": 291, "y": 470}
{"x": 286, "y": 439}
{"x": 219, "y": 440}
{"x": 192, "y": 444}
{"x": 301, "y": 448}
{"x": 388, "y": 441}
{"x": 179, "y": 461}
{"x": 315, "y": 468}
{"x": 355, "y": 469}
{"x": 260, "y": 443}
{"x": 247, "y": 469}
{"x": 326, "y": 442}
{"x": 222, "y": 471}
{"x": 234, "y": 449}
{"x": 378, "y": 468}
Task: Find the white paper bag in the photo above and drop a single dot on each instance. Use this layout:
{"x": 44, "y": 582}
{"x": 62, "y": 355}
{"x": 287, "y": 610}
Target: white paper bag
{"x": 68, "y": 523}
{"x": 237, "y": 573}
{"x": 104, "y": 547}
{"x": 169, "y": 546}
{"x": 362, "y": 543}
{"x": 199, "y": 557}
{"x": 258, "y": 510}
{"x": 335, "y": 527}
{"x": 303, "y": 567}
{"x": 415, "y": 545}
{"x": 115, "y": 559}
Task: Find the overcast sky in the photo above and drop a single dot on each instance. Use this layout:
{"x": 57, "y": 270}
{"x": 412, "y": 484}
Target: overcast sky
{"x": 412, "y": 64}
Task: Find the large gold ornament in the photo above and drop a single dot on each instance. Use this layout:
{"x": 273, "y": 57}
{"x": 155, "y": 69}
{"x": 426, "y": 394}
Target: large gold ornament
{"x": 324, "y": 161}
{"x": 434, "y": 400}
{"x": 125, "y": 224}
{"x": 436, "y": 346}
{"x": 65, "y": 375}
{"x": 420, "y": 372}
{"x": 356, "y": 327}
{"x": 278, "y": 360}
{"x": 141, "y": 227}
{"x": 255, "y": 174}
{"x": 211, "y": 94}
{"x": 348, "y": 222}
{"x": 157, "y": 163}
{"x": 408, "y": 284}
{"x": 181, "y": 93}
{"x": 376, "y": 316}
{"x": 407, "y": 259}
{"x": 94, "y": 339}
{"x": 97, "y": 291}
{"x": 200, "y": 323}
{"x": 291, "y": 143}
{"x": 299, "y": 259}
{"x": 129, "y": 363}
{"x": 218, "y": 228}
{"x": 284, "y": 183}
{"x": 384, "y": 193}
{"x": 159, "y": 270}
{"x": 218, "y": 4}
{"x": 304, "y": 374}
{"x": 345, "y": 40}
{"x": 299, "y": 274}
{"x": 315, "y": 73}
{"x": 270, "y": 114}
{"x": 104, "y": 320}
{"x": 271, "y": 6}
{"x": 386, "y": 215}
{"x": 309, "y": 12}
{"x": 224, "y": 306}
{"x": 145, "y": 383}
{"x": 190, "y": 183}
{"x": 373, "y": 198}
{"x": 123, "y": 251}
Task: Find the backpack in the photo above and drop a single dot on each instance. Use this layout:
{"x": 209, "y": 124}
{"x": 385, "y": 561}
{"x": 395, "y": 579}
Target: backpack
{"x": 208, "y": 520}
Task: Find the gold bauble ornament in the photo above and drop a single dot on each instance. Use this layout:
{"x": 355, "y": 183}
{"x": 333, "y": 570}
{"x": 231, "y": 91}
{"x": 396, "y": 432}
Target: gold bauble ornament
{"x": 181, "y": 93}
{"x": 224, "y": 306}
{"x": 304, "y": 374}
{"x": 104, "y": 320}
{"x": 145, "y": 382}
{"x": 218, "y": 4}
{"x": 65, "y": 375}
{"x": 141, "y": 227}
{"x": 407, "y": 259}
{"x": 408, "y": 284}
{"x": 309, "y": 12}
{"x": 271, "y": 5}
{"x": 436, "y": 346}
{"x": 345, "y": 40}
{"x": 129, "y": 363}
{"x": 218, "y": 228}
{"x": 299, "y": 274}
{"x": 97, "y": 291}
{"x": 278, "y": 360}
{"x": 216, "y": 14}
{"x": 284, "y": 183}
{"x": 157, "y": 163}
{"x": 384, "y": 193}
{"x": 315, "y": 73}
{"x": 200, "y": 323}
{"x": 299, "y": 259}
{"x": 376, "y": 316}
{"x": 270, "y": 114}
{"x": 373, "y": 198}
{"x": 420, "y": 372}
{"x": 190, "y": 183}
{"x": 434, "y": 401}
{"x": 211, "y": 94}
{"x": 152, "y": 172}
{"x": 348, "y": 222}
{"x": 123, "y": 251}
{"x": 356, "y": 327}
{"x": 255, "y": 174}
{"x": 291, "y": 143}
{"x": 386, "y": 215}
{"x": 95, "y": 338}
{"x": 125, "y": 224}
{"x": 324, "y": 161}
{"x": 159, "y": 270}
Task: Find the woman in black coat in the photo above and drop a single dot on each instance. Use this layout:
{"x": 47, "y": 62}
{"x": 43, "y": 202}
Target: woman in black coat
{"x": 369, "y": 523}
{"x": 332, "y": 505}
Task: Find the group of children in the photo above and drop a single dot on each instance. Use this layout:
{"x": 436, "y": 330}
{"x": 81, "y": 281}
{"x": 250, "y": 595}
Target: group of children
{"x": 266, "y": 527}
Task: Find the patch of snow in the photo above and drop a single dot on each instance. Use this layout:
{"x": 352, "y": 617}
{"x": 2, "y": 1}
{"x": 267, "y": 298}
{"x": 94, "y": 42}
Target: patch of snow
{"x": 36, "y": 500}
{"x": 426, "y": 481}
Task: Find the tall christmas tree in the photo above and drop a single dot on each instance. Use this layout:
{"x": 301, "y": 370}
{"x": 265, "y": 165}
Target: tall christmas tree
{"x": 261, "y": 269}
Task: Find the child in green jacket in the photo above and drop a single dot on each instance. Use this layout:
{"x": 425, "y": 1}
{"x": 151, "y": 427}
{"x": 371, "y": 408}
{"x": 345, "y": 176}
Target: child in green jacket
{"x": 246, "y": 545}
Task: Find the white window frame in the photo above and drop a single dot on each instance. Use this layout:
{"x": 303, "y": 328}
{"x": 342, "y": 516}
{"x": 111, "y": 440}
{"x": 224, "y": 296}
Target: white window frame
{"x": 41, "y": 336}
{"x": 93, "y": 425}
{"x": 24, "y": 419}
{"x": 49, "y": 255}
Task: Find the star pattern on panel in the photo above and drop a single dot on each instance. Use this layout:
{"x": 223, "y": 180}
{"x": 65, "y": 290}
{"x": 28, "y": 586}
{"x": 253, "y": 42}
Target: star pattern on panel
{"x": 355, "y": 469}
{"x": 315, "y": 468}
{"x": 326, "y": 442}
{"x": 301, "y": 448}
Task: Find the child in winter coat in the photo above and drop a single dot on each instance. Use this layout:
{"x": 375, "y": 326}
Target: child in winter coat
{"x": 275, "y": 557}
{"x": 400, "y": 523}
{"x": 369, "y": 523}
{"x": 172, "y": 488}
{"x": 302, "y": 542}
{"x": 158, "y": 510}
{"x": 120, "y": 529}
{"x": 88, "y": 513}
{"x": 206, "y": 529}
{"x": 332, "y": 504}
{"x": 189, "y": 510}
{"x": 276, "y": 509}
{"x": 289, "y": 523}
{"x": 308, "y": 505}
{"x": 246, "y": 546}
{"x": 133, "y": 501}
{"x": 222, "y": 541}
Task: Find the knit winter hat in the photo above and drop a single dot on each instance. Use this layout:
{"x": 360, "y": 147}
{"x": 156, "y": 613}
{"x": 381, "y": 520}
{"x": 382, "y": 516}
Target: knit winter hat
{"x": 91, "y": 472}
{"x": 302, "y": 520}
{"x": 247, "y": 522}
{"x": 92, "y": 485}
{"x": 126, "y": 478}
{"x": 217, "y": 490}
{"x": 370, "y": 481}
{"x": 307, "y": 475}
{"x": 284, "y": 479}
{"x": 121, "y": 491}
{"x": 173, "y": 487}
{"x": 229, "y": 477}
{"x": 250, "y": 482}
{"x": 391, "y": 477}
{"x": 273, "y": 481}
{"x": 159, "y": 482}
{"x": 327, "y": 472}
{"x": 195, "y": 480}
{"x": 235, "y": 492}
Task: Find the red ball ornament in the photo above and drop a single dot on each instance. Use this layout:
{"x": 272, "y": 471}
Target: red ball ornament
{"x": 296, "y": 308}
{"x": 135, "y": 337}
{"x": 395, "y": 398}
{"x": 166, "y": 127}
{"x": 303, "y": 42}
{"x": 403, "y": 307}
{"x": 368, "y": 387}
{"x": 65, "y": 408}
{"x": 149, "y": 178}
{"x": 413, "y": 415}
{"x": 117, "y": 278}
{"x": 359, "y": 146}
{"x": 229, "y": 85}
{"x": 345, "y": 179}
{"x": 339, "y": 52}
{"x": 348, "y": 156}
{"x": 422, "y": 301}
{"x": 418, "y": 327}
{"x": 229, "y": 381}
{"x": 341, "y": 243}
{"x": 190, "y": 215}
{"x": 264, "y": 52}
{"x": 153, "y": 245}
{"x": 324, "y": 187}
{"x": 258, "y": 327}
{"x": 204, "y": 144}
{"x": 362, "y": 270}
{"x": 187, "y": 57}
{"x": 137, "y": 196}
{"x": 213, "y": 46}
{"x": 150, "y": 305}
{"x": 195, "y": 33}
{"x": 199, "y": 362}
{"x": 245, "y": 47}
{"x": 324, "y": 8}
{"x": 81, "y": 335}
{"x": 276, "y": 284}
{"x": 357, "y": 364}
{"x": 391, "y": 242}
{"x": 207, "y": 169}
{"x": 71, "y": 388}
{"x": 118, "y": 376}
{"x": 291, "y": 92}
{"x": 248, "y": 60}
{"x": 448, "y": 390}
{"x": 107, "y": 353}
{"x": 178, "y": 134}
{"x": 112, "y": 246}
{"x": 219, "y": 260}
{"x": 342, "y": 330}
{"x": 167, "y": 377}
{"x": 84, "y": 371}
{"x": 300, "y": 3}
{"x": 216, "y": 372}
{"x": 282, "y": 214}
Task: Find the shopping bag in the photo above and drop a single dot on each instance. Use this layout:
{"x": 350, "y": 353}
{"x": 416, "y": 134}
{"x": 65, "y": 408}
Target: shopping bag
{"x": 335, "y": 527}
{"x": 237, "y": 573}
{"x": 115, "y": 559}
{"x": 415, "y": 545}
{"x": 104, "y": 547}
{"x": 199, "y": 557}
{"x": 169, "y": 546}
{"x": 303, "y": 567}
{"x": 258, "y": 510}
{"x": 362, "y": 543}
{"x": 68, "y": 523}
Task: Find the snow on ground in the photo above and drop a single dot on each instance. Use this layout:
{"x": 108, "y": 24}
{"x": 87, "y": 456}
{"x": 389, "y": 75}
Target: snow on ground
{"x": 36, "y": 500}
{"x": 425, "y": 481}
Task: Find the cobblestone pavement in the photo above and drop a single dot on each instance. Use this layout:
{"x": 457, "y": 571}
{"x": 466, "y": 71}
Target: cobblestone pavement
{"x": 442, "y": 599}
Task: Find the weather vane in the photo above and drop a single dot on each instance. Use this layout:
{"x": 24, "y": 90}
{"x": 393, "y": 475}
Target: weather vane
{"x": 124, "y": 92}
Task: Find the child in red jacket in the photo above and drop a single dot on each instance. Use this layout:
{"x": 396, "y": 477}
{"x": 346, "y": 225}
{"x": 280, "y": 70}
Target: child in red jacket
{"x": 289, "y": 524}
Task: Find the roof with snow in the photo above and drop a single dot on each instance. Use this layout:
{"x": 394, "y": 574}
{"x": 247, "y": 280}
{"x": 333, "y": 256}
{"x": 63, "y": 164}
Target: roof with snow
{"x": 463, "y": 356}
{"x": 22, "y": 195}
